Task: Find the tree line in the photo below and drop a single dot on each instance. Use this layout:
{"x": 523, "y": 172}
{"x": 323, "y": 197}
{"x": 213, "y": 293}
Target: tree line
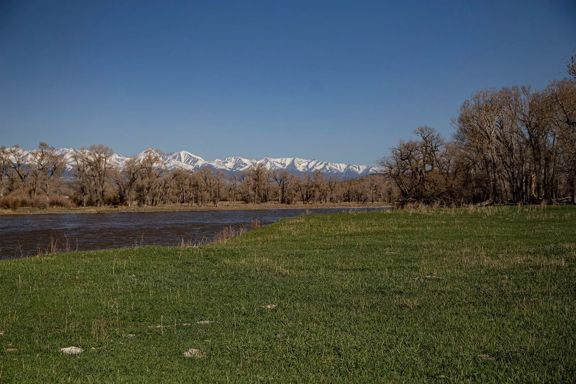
{"x": 512, "y": 145}
{"x": 40, "y": 179}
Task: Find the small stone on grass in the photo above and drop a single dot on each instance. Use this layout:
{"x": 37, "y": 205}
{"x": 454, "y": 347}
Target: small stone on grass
{"x": 270, "y": 306}
{"x": 204, "y": 322}
{"x": 486, "y": 357}
{"x": 194, "y": 353}
{"x": 71, "y": 350}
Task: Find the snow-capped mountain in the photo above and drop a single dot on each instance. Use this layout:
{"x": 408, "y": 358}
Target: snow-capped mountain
{"x": 230, "y": 165}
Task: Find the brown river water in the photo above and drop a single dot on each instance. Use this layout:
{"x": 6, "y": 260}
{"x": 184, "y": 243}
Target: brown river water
{"x": 29, "y": 235}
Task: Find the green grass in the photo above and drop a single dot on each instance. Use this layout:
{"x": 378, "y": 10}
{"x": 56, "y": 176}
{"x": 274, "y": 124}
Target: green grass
{"x": 481, "y": 295}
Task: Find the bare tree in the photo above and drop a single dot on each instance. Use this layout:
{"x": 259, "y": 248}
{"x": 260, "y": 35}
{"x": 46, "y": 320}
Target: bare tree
{"x": 256, "y": 185}
{"x": 572, "y": 67}
{"x": 180, "y": 185}
{"x": 3, "y": 169}
{"x": 148, "y": 185}
{"x": 18, "y": 168}
{"x": 415, "y": 166}
{"x": 46, "y": 167}
{"x": 126, "y": 180}
{"x": 282, "y": 179}
{"x": 212, "y": 185}
{"x": 561, "y": 97}
{"x": 92, "y": 169}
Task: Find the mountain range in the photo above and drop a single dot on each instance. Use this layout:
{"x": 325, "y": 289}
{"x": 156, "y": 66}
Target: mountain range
{"x": 235, "y": 164}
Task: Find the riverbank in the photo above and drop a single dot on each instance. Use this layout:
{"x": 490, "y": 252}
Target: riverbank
{"x": 457, "y": 295}
{"x": 225, "y": 205}
{"x": 32, "y": 235}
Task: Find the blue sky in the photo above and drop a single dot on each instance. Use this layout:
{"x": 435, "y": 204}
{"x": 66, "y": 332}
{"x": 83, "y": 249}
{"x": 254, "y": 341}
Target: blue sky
{"x": 332, "y": 80}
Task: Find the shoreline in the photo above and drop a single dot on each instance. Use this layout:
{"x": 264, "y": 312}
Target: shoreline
{"x": 223, "y": 206}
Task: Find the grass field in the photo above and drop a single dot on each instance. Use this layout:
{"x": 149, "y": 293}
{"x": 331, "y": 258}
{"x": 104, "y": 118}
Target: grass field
{"x": 480, "y": 295}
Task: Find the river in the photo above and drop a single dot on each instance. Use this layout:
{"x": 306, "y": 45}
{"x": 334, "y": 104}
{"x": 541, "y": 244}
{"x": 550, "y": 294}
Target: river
{"x": 28, "y": 235}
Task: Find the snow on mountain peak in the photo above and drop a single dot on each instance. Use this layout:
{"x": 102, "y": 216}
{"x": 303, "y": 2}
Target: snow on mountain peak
{"x": 186, "y": 157}
{"x": 233, "y": 164}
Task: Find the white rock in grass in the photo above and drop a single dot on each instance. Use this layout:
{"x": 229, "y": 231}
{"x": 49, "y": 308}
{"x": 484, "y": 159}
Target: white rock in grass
{"x": 486, "y": 357}
{"x": 204, "y": 322}
{"x": 71, "y": 350}
{"x": 1, "y": 333}
{"x": 270, "y": 306}
{"x": 194, "y": 353}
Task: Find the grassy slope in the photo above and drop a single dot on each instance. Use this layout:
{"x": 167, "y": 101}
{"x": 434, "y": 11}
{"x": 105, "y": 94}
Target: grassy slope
{"x": 447, "y": 296}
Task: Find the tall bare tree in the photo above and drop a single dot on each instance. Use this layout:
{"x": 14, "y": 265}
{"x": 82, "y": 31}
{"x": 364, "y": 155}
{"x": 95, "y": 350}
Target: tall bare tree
{"x": 46, "y": 167}
{"x": 92, "y": 169}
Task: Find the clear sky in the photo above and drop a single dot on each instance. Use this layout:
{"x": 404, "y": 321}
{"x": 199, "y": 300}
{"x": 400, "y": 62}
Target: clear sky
{"x": 332, "y": 80}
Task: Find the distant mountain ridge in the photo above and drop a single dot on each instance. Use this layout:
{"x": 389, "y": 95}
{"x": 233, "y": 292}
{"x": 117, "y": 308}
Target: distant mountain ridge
{"x": 234, "y": 164}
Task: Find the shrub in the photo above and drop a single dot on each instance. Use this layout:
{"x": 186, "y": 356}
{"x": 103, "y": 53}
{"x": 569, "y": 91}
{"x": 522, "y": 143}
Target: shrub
{"x": 40, "y": 202}
{"x": 15, "y": 201}
{"x": 59, "y": 201}
{"x": 228, "y": 233}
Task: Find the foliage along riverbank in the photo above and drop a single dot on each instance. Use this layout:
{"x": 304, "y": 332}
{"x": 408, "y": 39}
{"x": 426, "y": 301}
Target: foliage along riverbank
{"x": 222, "y": 206}
{"x": 464, "y": 295}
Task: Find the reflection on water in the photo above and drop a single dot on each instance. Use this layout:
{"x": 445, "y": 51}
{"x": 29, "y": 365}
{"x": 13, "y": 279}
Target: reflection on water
{"x": 22, "y": 236}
